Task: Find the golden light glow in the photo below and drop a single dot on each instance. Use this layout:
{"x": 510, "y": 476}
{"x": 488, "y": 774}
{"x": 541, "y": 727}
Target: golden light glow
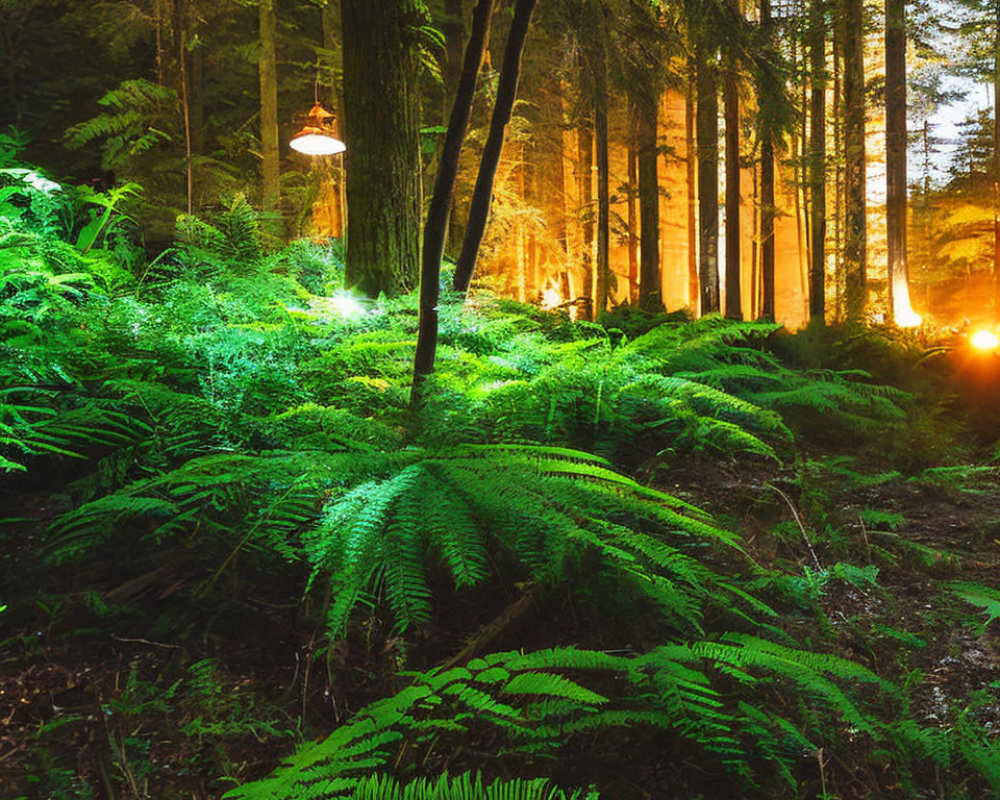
{"x": 316, "y": 137}
{"x": 551, "y": 298}
{"x": 908, "y": 318}
{"x": 984, "y": 340}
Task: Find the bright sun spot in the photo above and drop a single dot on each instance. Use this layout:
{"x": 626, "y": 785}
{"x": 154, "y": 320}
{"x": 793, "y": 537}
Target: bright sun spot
{"x": 984, "y": 340}
{"x": 908, "y": 319}
{"x": 551, "y": 298}
{"x": 345, "y": 306}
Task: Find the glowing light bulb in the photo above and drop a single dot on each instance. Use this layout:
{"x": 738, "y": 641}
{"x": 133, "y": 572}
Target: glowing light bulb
{"x": 984, "y": 340}
{"x": 317, "y": 144}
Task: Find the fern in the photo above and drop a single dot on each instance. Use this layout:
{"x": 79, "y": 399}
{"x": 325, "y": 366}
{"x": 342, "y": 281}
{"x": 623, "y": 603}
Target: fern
{"x": 984, "y": 597}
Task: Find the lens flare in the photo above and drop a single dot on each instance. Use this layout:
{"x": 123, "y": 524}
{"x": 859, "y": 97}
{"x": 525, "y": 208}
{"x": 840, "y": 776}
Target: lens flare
{"x": 984, "y": 340}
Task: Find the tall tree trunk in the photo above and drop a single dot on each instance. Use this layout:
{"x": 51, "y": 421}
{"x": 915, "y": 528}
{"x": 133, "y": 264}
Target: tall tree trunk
{"x": 180, "y": 23}
{"x": 650, "y": 280}
{"x": 382, "y": 124}
{"x": 332, "y": 173}
{"x": 691, "y": 164}
{"x": 895, "y": 160}
{"x": 817, "y": 160}
{"x": 436, "y": 227}
{"x": 708, "y": 179}
{"x": 267, "y": 66}
{"x": 855, "y": 242}
{"x": 585, "y": 161}
{"x": 633, "y": 207}
{"x": 731, "y": 110}
{"x": 996, "y": 159}
{"x": 767, "y": 192}
{"x": 600, "y": 74}
{"x": 482, "y": 193}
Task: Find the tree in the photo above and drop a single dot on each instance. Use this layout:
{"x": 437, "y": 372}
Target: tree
{"x": 731, "y": 112}
{"x": 436, "y": 227}
{"x": 766, "y": 183}
{"x": 382, "y": 128}
{"x": 707, "y": 140}
{"x": 855, "y": 239}
{"x": 270, "y": 154}
{"x": 817, "y": 160}
{"x": 895, "y": 135}
{"x": 504, "y": 105}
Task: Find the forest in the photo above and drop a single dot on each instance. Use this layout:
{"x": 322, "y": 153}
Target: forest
{"x": 499, "y": 399}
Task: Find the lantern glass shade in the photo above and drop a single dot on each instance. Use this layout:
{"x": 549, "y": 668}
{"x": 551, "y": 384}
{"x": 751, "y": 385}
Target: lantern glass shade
{"x": 316, "y": 137}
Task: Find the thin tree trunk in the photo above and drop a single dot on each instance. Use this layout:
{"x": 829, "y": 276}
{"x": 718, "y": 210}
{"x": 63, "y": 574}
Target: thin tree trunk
{"x": 731, "y": 110}
{"x": 600, "y": 68}
{"x": 817, "y": 161}
{"x": 382, "y": 125}
{"x": 180, "y": 40}
{"x": 633, "y": 208}
{"x": 436, "y": 227}
{"x": 838, "y": 177}
{"x": 996, "y": 158}
{"x": 270, "y": 154}
{"x": 895, "y": 159}
{"x": 855, "y": 242}
{"x": 691, "y": 163}
{"x": 766, "y": 192}
{"x": 506, "y": 94}
{"x": 585, "y": 161}
{"x": 650, "y": 280}
{"x": 708, "y": 181}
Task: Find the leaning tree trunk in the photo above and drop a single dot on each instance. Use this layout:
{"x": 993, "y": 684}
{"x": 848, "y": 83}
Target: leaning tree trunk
{"x": 731, "y": 110}
{"x": 895, "y": 160}
{"x": 707, "y": 134}
{"x": 650, "y": 281}
{"x": 817, "y": 161}
{"x": 855, "y": 241}
{"x": 436, "y": 227}
{"x": 506, "y": 94}
{"x": 382, "y": 129}
{"x": 267, "y": 66}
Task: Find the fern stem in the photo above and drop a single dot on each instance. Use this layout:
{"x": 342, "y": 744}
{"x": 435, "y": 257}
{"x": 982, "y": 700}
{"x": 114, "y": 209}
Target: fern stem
{"x": 798, "y": 520}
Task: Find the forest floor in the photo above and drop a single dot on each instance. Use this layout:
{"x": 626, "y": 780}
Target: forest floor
{"x": 92, "y": 704}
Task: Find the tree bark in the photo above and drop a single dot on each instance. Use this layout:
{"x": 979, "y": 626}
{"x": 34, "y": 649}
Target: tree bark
{"x": 267, "y": 66}
{"x": 632, "y": 202}
{"x": 895, "y": 159}
{"x": 996, "y": 159}
{"x": 650, "y": 290}
{"x": 855, "y": 240}
{"x": 817, "y": 160}
{"x": 436, "y": 227}
{"x": 731, "y": 110}
{"x": 585, "y": 161}
{"x": 691, "y": 164}
{"x": 707, "y": 125}
{"x": 767, "y": 193}
{"x": 506, "y": 94}
{"x": 599, "y": 66}
{"x": 382, "y": 128}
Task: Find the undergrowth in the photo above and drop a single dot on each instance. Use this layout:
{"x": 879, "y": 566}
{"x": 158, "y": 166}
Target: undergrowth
{"x": 229, "y": 415}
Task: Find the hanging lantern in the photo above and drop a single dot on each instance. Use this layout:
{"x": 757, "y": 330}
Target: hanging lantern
{"x": 316, "y": 137}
